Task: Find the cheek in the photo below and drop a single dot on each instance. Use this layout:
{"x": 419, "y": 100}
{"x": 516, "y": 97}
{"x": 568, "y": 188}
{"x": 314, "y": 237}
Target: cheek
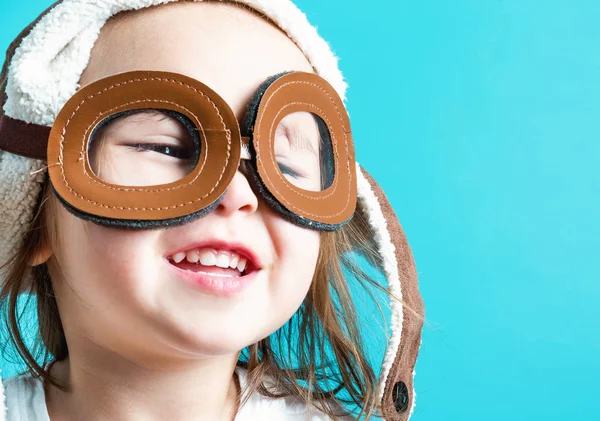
{"x": 297, "y": 251}
{"x": 102, "y": 264}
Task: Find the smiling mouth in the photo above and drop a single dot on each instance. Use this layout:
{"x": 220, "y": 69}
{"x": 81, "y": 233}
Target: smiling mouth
{"x": 217, "y": 272}
{"x": 212, "y": 262}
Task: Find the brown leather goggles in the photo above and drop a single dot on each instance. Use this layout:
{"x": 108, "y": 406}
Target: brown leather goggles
{"x": 149, "y": 149}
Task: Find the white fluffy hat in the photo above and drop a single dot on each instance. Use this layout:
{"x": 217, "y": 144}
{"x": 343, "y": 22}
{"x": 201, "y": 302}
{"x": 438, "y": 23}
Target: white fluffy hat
{"x": 42, "y": 72}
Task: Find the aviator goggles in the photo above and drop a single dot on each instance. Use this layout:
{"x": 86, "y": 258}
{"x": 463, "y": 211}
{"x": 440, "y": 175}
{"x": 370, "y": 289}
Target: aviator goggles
{"x": 148, "y": 149}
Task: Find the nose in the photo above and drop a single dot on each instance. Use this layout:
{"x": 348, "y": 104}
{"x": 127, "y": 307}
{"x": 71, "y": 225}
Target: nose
{"x": 239, "y": 197}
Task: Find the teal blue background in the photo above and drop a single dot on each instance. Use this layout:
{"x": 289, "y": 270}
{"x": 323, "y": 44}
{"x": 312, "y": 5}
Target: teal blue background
{"x": 480, "y": 120}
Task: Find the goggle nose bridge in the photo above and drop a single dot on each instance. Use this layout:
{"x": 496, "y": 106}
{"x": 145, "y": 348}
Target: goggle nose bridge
{"x": 245, "y": 150}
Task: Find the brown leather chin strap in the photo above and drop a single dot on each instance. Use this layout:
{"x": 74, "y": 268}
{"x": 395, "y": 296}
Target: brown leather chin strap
{"x": 24, "y": 139}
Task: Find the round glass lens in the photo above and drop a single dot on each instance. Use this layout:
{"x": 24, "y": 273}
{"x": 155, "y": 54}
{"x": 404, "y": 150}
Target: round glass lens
{"x": 304, "y": 152}
{"x": 145, "y": 147}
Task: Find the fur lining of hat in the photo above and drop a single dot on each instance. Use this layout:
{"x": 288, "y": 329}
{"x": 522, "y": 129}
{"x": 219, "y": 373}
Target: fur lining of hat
{"x": 47, "y": 66}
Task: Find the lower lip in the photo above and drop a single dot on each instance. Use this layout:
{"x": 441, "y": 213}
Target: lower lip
{"x": 217, "y": 285}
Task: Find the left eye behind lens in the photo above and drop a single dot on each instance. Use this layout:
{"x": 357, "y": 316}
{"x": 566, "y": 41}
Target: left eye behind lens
{"x": 304, "y": 151}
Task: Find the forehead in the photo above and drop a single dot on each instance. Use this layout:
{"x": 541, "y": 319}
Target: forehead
{"x": 227, "y": 47}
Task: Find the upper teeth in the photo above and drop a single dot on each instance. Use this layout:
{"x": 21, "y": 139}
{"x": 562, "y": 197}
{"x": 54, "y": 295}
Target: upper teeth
{"x": 212, "y": 257}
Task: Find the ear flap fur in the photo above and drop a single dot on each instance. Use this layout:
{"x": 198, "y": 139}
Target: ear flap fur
{"x": 397, "y": 386}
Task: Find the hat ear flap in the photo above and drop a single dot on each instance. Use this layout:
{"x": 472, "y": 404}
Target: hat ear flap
{"x": 396, "y": 382}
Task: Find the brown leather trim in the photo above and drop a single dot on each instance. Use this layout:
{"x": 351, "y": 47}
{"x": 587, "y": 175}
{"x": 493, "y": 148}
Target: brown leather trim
{"x": 301, "y": 91}
{"x": 76, "y": 183}
{"x": 25, "y": 139}
{"x": 406, "y": 356}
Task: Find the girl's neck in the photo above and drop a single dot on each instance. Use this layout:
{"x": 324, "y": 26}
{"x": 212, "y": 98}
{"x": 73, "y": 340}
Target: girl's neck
{"x": 115, "y": 388}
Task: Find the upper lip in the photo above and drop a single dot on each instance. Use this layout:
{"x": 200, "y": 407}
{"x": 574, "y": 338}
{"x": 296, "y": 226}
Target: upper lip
{"x": 223, "y": 245}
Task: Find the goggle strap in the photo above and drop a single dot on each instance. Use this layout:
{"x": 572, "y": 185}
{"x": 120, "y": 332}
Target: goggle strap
{"x": 24, "y": 139}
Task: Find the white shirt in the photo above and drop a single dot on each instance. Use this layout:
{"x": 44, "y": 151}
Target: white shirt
{"x": 25, "y": 401}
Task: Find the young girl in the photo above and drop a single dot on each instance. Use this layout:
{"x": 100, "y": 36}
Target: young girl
{"x": 179, "y": 193}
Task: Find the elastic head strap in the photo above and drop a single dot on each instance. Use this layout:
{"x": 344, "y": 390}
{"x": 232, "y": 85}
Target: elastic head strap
{"x": 24, "y": 139}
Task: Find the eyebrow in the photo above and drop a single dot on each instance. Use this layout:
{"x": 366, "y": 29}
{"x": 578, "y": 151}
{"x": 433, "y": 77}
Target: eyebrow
{"x": 298, "y": 139}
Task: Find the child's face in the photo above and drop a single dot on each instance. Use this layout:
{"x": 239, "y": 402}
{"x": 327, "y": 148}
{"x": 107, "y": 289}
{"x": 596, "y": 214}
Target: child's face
{"x": 117, "y": 288}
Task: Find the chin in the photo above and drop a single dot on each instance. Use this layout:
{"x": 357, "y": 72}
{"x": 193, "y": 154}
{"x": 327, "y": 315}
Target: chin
{"x": 214, "y": 338}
